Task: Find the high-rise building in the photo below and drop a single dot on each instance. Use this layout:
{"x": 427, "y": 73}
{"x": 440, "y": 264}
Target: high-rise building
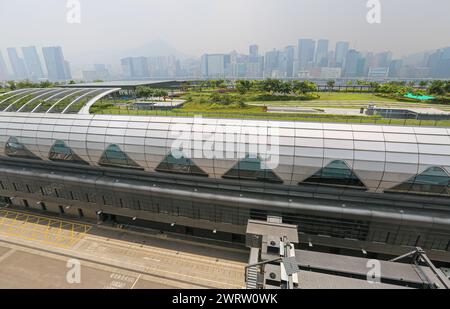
{"x": 215, "y": 65}
{"x": 67, "y": 70}
{"x": 33, "y": 63}
{"x": 306, "y": 51}
{"x": 439, "y": 63}
{"x": 287, "y": 62}
{"x": 4, "y": 75}
{"x": 58, "y": 69}
{"x": 100, "y": 72}
{"x": 135, "y": 67}
{"x": 383, "y": 59}
{"x": 395, "y": 68}
{"x": 239, "y": 65}
{"x": 255, "y": 64}
{"x": 158, "y": 67}
{"x": 253, "y": 51}
{"x": 272, "y": 64}
{"x": 322, "y": 53}
{"x": 341, "y": 54}
{"x": 17, "y": 64}
{"x": 352, "y": 64}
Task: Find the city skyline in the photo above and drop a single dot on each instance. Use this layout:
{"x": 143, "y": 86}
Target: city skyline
{"x": 310, "y": 58}
{"x": 29, "y": 66}
{"x": 214, "y": 25}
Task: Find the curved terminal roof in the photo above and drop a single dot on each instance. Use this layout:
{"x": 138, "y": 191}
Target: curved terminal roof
{"x": 53, "y": 100}
{"x": 376, "y": 158}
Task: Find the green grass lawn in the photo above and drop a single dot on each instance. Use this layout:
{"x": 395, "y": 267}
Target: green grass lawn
{"x": 199, "y": 103}
{"x": 257, "y": 113}
{"x": 342, "y": 96}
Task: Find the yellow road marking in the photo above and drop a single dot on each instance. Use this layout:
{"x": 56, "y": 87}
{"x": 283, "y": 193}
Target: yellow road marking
{"x": 55, "y": 232}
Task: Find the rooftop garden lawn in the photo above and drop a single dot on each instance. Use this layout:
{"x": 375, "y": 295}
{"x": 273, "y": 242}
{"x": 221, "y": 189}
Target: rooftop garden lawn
{"x": 343, "y": 96}
{"x": 248, "y": 100}
{"x": 257, "y": 112}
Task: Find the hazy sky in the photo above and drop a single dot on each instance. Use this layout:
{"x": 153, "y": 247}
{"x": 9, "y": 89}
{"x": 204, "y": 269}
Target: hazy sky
{"x": 198, "y": 26}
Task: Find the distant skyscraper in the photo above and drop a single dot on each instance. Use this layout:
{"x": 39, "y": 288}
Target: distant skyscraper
{"x": 100, "y": 72}
{"x": 383, "y": 59}
{"x": 352, "y": 62}
{"x": 272, "y": 67}
{"x": 3, "y": 69}
{"x": 135, "y": 67}
{"x": 341, "y": 53}
{"x": 57, "y": 68}
{"x": 33, "y": 63}
{"x": 255, "y": 65}
{"x": 439, "y": 63}
{"x": 253, "y": 51}
{"x": 322, "y": 53}
{"x": 17, "y": 64}
{"x": 306, "y": 50}
{"x": 215, "y": 65}
{"x": 287, "y": 62}
{"x": 395, "y": 68}
{"x": 67, "y": 70}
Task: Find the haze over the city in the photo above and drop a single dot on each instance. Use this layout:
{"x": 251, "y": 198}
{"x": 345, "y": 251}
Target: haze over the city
{"x": 193, "y": 27}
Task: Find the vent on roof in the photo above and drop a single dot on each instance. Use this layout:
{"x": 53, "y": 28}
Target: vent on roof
{"x": 337, "y": 173}
{"x": 181, "y": 165}
{"x": 15, "y": 149}
{"x": 251, "y": 168}
{"x": 113, "y": 156}
{"x": 60, "y": 152}
{"x": 434, "y": 180}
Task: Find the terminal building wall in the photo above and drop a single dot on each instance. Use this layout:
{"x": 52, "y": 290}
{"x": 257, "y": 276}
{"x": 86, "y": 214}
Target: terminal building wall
{"x": 200, "y": 208}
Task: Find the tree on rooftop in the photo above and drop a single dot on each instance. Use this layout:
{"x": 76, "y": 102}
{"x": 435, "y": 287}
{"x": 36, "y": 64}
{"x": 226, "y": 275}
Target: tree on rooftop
{"x": 330, "y": 84}
{"x": 285, "y": 88}
{"x": 271, "y": 85}
{"x": 374, "y": 86}
{"x": 447, "y": 87}
{"x": 161, "y": 93}
{"x": 12, "y": 85}
{"x": 437, "y": 87}
{"x": 26, "y": 84}
{"x": 243, "y": 86}
{"x": 423, "y": 83}
{"x": 45, "y": 84}
{"x": 303, "y": 87}
{"x": 144, "y": 92}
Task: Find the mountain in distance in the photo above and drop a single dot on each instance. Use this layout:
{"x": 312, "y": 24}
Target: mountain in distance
{"x": 155, "y": 48}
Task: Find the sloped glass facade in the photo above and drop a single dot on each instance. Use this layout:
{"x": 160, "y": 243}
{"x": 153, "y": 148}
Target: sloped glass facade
{"x": 61, "y": 153}
{"x": 15, "y": 149}
{"x": 180, "y": 165}
{"x": 434, "y": 180}
{"x": 336, "y": 173}
{"x": 114, "y": 156}
{"x": 251, "y": 168}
